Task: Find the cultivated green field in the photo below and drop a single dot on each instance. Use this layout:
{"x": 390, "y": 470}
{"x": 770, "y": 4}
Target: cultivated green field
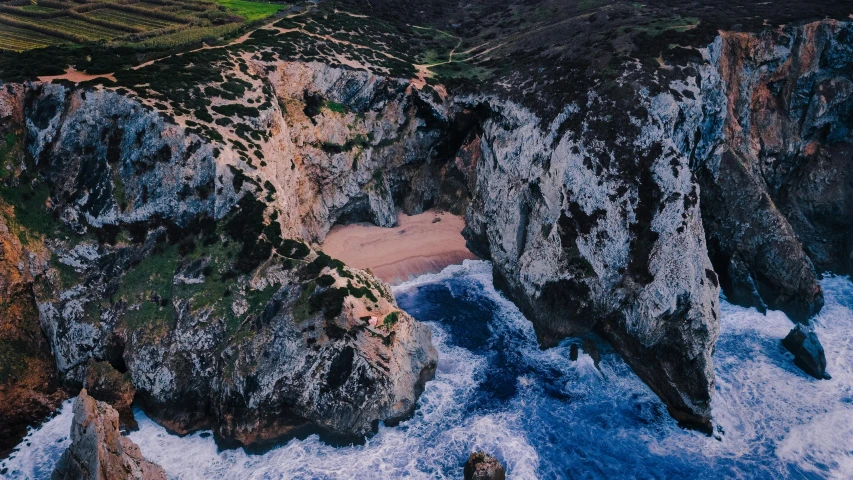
{"x": 251, "y": 10}
{"x": 29, "y": 24}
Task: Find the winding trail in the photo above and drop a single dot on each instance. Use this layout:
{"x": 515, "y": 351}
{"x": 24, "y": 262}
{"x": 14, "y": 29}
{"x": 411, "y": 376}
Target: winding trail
{"x": 236, "y": 41}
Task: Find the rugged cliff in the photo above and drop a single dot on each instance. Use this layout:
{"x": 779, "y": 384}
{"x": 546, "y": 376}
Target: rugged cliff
{"x": 775, "y": 180}
{"x": 162, "y": 261}
{"x": 759, "y": 129}
{"x": 179, "y": 205}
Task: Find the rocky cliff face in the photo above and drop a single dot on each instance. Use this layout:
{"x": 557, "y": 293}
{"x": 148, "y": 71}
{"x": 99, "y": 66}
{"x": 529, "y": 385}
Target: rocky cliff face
{"x": 29, "y": 386}
{"x": 161, "y": 261}
{"x": 181, "y": 260}
{"x": 775, "y": 180}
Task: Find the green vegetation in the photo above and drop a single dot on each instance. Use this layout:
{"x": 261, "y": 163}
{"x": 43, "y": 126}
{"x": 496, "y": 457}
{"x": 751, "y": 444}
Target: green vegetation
{"x": 337, "y": 107}
{"x": 302, "y": 307}
{"x": 390, "y": 319}
{"x": 30, "y": 211}
{"x": 13, "y": 359}
{"x": 141, "y": 25}
{"x": 359, "y": 292}
{"x": 149, "y": 286}
{"x": 251, "y": 10}
{"x": 7, "y": 145}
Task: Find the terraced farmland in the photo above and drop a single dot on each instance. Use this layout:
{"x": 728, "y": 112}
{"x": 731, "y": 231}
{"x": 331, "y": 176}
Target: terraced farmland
{"x": 131, "y": 19}
{"x": 81, "y": 28}
{"x": 13, "y": 38}
{"x": 28, "y": 24}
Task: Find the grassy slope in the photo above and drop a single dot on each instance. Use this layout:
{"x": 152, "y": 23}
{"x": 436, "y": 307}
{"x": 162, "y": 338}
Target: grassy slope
{"x": 251, "y": 10}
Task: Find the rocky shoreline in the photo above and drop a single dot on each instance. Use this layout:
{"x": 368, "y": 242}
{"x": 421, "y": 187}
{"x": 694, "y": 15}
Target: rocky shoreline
{"x": 183, "y": 264}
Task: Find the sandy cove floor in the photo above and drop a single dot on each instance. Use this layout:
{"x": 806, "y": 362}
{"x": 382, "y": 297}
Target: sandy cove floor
{"x": 417, "y": 245}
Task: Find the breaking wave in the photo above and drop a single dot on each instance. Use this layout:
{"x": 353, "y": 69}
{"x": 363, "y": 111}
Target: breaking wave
{"x": 545, "y": 416}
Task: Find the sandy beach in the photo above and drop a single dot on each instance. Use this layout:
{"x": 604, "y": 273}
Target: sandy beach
{"x": 417, "y": 245}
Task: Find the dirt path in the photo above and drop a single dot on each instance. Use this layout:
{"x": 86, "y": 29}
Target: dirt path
{"x": 73, "y": 75}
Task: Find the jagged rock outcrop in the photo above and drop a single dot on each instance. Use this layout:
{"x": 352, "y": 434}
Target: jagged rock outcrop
{"x": 354, "y": 146}
{"x": 170, "y": 266}
{"x": 591, "y": 234}
{"x": 482, "y": 466}
{"x": 807, "y": 350}
{"x": 775, "y": 182}
{"x": 98, "y": 451}
{"x": 758, "y": 130}
{"x": 29, "y": 386}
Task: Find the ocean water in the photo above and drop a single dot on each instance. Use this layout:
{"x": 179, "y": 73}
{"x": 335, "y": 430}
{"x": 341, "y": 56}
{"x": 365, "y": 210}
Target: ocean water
{"x": 545, "y": 416}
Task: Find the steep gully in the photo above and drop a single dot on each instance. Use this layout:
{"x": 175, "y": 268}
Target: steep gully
{"x": 624, "y": 221}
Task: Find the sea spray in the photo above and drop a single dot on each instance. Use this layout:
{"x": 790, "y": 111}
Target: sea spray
{"x": 545, "y": 416}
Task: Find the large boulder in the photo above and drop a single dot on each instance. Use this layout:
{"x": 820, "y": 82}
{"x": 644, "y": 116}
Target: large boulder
{"x": 808, "y": 352}
{"x": 482, "y": 466}
{"x": 98, "y": 451}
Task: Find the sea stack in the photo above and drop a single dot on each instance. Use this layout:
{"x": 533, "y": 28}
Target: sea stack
{"x": 98, "y": 451}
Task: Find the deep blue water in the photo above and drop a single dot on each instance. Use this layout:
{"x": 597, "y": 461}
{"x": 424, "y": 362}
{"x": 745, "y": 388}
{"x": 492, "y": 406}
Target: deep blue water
{"x": 547, "y": 417}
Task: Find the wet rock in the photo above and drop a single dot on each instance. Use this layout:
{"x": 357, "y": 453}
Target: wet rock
{"x": 573, "y": 352}
{"x": 98, "y": 451}
{"x": 590, "y": 349}
{"x": 482, "y": 466}
{"x": 104, "y": 383}
{"x": 807, "y": 350}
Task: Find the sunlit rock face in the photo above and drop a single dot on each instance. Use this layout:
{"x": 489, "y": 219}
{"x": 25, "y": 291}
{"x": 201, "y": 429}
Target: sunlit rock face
{"x": 98, "y": 451}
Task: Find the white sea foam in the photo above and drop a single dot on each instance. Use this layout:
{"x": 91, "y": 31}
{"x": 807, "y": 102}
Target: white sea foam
{"x": 35, "y": 457}
{"x": 560, "y": 419}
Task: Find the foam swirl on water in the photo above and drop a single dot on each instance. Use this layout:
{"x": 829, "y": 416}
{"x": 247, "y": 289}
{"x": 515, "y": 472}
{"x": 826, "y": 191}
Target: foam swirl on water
{"x": 547, "y": 417}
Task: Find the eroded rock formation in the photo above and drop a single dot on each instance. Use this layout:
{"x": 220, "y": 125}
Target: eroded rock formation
{"x": 808, "y": 352}
{"x": 98, "y": 451}
{"x": 182, "y": 258}
{"x": 29, "y": 385}
{"x": 219, "y": 321}
{"x": 775, "y": 181}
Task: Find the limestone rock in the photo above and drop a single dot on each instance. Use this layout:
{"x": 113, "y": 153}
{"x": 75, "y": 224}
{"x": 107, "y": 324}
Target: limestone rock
{"x": 807, "y": 350}
{"x": 482, "y": 466}
{"x": 276, "y": 351}
{"x": 98, "y": 451}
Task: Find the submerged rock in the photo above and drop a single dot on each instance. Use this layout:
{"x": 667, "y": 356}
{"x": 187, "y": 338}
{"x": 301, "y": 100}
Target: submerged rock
{"x": 482, "y": 466}
{"x": 808, "y": 352}
{"x": 590, "y": 349}
{"x": 98, "y": 451}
